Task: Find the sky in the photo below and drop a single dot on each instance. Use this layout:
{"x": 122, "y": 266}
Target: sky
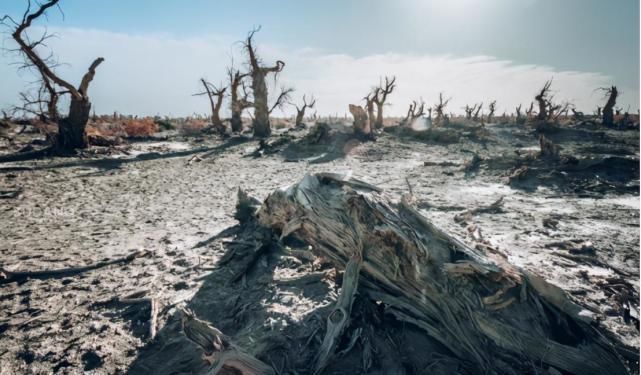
{"x": 471, "y": 50}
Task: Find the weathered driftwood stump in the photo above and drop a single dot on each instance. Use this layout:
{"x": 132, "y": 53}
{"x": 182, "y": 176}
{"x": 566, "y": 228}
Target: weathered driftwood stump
{"x": 486, "y": 312}
{"x": 361, "y": 122}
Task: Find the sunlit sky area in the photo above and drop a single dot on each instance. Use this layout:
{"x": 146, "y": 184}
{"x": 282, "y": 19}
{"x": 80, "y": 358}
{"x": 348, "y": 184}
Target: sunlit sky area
{"x": 472, "y": 50}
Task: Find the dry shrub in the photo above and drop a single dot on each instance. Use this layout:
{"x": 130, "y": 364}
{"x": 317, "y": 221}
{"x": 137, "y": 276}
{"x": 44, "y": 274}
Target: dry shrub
{"x": 193, "y": 126}
{"x": 105, "y": 128}
{"x": 144, "y": 127}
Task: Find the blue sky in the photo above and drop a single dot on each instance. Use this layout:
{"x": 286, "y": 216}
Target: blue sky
{"x": 594, "y": 37}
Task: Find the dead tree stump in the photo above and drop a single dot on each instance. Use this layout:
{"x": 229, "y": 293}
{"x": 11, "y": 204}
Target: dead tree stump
{"x": 485, "y": 311}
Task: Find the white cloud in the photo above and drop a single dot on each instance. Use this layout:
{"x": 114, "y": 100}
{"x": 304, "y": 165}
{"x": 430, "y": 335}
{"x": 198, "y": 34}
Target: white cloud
{"x": 157, "y": 74}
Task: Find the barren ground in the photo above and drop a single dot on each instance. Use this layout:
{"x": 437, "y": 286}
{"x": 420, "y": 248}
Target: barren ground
{"x": 77, "y": 211}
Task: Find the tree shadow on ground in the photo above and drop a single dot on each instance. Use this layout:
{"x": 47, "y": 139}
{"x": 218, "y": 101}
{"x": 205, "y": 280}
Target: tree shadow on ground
{"x": 107, "y": 164}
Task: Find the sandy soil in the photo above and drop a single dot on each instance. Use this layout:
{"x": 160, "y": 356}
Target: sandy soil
{"x": 77, "y": 211}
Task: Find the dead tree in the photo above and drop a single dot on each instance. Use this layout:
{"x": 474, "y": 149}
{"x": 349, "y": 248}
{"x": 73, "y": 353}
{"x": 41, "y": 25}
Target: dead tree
{"x": 488, "y": 313}
{"x": 559, "y": 110}
{"x": 577, "y": 115}
{"x": 469, "y": 111}
{"x": 490, "y": 115}
{"x": 477, "y": 112}
{"x": 71, "y": 129}
{"x": 414, "y": 112}
{"x": 439, "y": 108}
{"x": 528, "y": 112}
{"x": 215, "y": 96}
{"x": 380, "y": 97}
{"x": 518, "y": 112}
{"x": 608, "y": 114}
{"x": 369, "y": 106}
{"x": 282, "y": 99}
{"x": 258, "y": 73}
{"x": 543, "y": 101}
{"x": 300, "y": 112}
{"x": 238, "y": 103}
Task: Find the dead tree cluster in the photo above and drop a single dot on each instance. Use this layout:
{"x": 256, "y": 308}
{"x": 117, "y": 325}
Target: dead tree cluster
{"x": 472, "y": 111}
{"x": 548, "y": 110}
{"x": 414, "y": 112}
{"x": 243, "y": 98}
{"x": 477, "y": 113}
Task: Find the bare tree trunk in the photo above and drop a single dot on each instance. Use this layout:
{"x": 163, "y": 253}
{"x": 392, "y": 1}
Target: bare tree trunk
{"x": 71, "y": 129}
{"x": 236, "y": 122}
{"x": 262, "y": 128}
{"x": 300, "y": 112}
{"x": 212, "y": 91}
{"x": 378, "y": 124}
{"x": 608, "y": 113}
{"x": 300, "y": 115}
{"x": 369, "y": 106}
{"x": 380, "y": 97}
{"x": 237, "y": 104}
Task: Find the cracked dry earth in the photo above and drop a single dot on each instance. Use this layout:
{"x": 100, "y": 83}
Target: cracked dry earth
{"x": 77, "y": 211}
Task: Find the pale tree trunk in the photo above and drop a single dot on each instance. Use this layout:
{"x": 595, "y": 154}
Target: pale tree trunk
{"x": 262, "y": 128}
{"x": 237, "y": 104}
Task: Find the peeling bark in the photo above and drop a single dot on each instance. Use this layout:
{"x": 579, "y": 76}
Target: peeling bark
{"x": 484, "y": 310}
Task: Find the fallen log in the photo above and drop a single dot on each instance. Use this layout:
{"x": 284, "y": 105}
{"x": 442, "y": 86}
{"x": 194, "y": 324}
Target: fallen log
{"x": 11, "y": 276}
{"x": 491, "y": 315}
